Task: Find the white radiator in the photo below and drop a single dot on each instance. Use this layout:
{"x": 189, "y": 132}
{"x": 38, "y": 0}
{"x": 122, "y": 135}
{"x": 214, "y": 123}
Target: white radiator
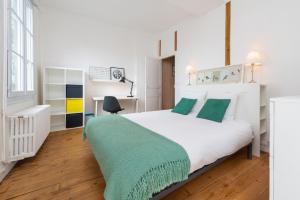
{"x": 27, "y": 131}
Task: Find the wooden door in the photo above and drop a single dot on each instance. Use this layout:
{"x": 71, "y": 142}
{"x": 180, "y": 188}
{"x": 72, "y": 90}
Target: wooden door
{"x": 168, "y": 83}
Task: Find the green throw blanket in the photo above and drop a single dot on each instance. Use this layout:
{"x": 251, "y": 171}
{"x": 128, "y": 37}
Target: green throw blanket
{"x": 135, "y": 161}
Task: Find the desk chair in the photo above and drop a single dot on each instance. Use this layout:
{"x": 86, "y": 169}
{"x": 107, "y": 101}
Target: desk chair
{"x": 111, "y": 104}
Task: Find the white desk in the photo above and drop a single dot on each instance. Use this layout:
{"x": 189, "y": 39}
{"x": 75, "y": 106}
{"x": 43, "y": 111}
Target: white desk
{"x": 97, "y": 99}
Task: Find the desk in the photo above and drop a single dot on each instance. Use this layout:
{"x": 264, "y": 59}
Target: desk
{"x": 97, "y": 99}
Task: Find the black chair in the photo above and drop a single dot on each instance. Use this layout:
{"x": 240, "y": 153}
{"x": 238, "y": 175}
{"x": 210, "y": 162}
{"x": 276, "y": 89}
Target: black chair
{"x": 111, "y": 104}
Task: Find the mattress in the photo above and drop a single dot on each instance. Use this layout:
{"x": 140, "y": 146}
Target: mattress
{"x": 204, "y": 141}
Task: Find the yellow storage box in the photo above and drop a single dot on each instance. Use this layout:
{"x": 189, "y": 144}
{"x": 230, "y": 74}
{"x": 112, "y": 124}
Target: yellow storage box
{"x": 74, "y": 105}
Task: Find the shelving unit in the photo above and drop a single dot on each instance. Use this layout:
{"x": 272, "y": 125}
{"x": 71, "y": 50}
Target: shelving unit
{"x": 57, "y": 106}
{"x": 104, "y": 81}
{"x": 263, "y": 109}
{"x": 64, "y": 92}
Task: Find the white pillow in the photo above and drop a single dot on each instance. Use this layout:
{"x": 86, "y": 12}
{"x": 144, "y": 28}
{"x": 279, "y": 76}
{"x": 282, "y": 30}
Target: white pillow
{"x": 231, "y": 110}
{"x": 200, "y": 101}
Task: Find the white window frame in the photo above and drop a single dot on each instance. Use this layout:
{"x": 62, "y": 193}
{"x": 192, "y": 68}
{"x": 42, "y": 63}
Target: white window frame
{"x": 25, "y": 93}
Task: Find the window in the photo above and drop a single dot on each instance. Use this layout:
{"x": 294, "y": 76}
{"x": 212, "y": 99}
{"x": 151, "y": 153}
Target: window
{"x": 20, "y": 48}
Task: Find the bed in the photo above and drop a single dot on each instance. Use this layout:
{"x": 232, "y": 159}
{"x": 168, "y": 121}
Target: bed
{"x": 205, "y": 143}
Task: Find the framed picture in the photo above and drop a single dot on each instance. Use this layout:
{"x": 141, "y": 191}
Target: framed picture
{"x": 228, "y": 74}
{"x": 116, "y": 73}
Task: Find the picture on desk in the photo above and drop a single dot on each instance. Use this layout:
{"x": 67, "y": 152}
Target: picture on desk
{"x": 116, "y": 73}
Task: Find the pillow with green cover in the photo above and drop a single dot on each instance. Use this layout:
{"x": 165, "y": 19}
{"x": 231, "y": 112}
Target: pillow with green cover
{"x": 184, "y": 106}
{"x": 214, "y": 109}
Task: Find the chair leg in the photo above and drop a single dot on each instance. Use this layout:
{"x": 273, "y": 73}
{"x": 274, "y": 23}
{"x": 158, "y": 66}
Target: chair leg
{"x": 249, "y": 151}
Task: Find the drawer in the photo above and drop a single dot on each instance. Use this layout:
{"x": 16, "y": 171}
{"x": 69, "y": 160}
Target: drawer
{"x": 74, "y": 91}
{"x": 74, "y": 120}
{"x": 74, "y": 105}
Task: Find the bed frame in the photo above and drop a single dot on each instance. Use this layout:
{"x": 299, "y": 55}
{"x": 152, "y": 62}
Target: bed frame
{"x": 248, "y": 109}
{"x": 195, "y": 175}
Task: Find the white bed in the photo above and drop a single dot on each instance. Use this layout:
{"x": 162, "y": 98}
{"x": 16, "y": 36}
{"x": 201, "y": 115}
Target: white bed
{"x": 204, "y": 141}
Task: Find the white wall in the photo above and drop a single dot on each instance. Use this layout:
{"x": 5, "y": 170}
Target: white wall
{"x": 272, "y": 28}
{"x": 200, "y": 43}
{"x": 268, "y": 26}
{"x": 70, "y": 40}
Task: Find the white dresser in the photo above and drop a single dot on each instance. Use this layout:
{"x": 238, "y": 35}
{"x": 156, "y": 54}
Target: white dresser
{"x": 285, "y": 148}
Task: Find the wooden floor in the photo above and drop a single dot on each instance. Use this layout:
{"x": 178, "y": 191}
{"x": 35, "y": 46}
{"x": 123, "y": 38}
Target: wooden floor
{"x": 65, "y": 168}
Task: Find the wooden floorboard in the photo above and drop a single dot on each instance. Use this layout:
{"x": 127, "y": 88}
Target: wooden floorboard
{"x": 65, "y": 168}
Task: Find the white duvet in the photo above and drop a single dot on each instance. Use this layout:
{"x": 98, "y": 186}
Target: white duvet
{"x": 204, "y": 141}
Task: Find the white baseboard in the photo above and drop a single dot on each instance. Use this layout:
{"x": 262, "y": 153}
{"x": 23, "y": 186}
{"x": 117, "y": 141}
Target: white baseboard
{"x": 5, "y": 169}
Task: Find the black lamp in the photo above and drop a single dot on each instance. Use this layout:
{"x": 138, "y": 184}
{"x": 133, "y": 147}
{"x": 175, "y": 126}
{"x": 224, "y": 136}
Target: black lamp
{"x": 123, "y": 80}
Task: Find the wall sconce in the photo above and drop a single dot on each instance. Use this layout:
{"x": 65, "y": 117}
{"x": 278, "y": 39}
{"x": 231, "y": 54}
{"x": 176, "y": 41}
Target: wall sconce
{"x": 254, "y": 59}
{"x": 190, "y": 70}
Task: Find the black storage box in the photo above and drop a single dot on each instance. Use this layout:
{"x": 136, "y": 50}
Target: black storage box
{"x": 74, "y": 91}
{"x": 74, "y": 120}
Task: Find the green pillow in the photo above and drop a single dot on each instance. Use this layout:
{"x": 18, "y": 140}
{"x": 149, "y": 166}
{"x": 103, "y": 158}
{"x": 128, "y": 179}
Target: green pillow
{"x": 184, "y": 106}
{"x": 214, "y": 109}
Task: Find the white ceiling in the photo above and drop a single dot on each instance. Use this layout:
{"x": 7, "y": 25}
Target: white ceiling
{"x": 145, "y": 15}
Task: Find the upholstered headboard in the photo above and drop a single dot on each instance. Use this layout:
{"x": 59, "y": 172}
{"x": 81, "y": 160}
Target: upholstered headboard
{"x": 248, "y": 106}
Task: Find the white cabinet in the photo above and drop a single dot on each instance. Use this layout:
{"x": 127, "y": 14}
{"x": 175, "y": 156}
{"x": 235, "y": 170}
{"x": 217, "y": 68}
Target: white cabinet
{"x": 285, "y": 148}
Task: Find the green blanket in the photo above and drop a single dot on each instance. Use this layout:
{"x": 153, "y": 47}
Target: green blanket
{"x": 135, "y": 161}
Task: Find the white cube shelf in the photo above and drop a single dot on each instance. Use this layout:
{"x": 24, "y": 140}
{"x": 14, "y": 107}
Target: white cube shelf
{"x": 58, "y": 122}
{"x": 74, "y": 77}
{"x": 55, "y": 92}
{"x": 58, "y": 107}
{"x": 54, "y": 76}
{"x": 56, "y": 82}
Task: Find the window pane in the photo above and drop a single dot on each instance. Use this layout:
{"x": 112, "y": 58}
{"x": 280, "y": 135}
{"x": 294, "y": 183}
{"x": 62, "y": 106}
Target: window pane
{"x": 18, "y": 7}
{"x": 30, "y": 77}
{"x": 17, "y": 73}
{"x": 29, "y": 46}
{"x": 16, "y": 35}
{"x": 21, "y": 55}
{"x": 29, "y": 18}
